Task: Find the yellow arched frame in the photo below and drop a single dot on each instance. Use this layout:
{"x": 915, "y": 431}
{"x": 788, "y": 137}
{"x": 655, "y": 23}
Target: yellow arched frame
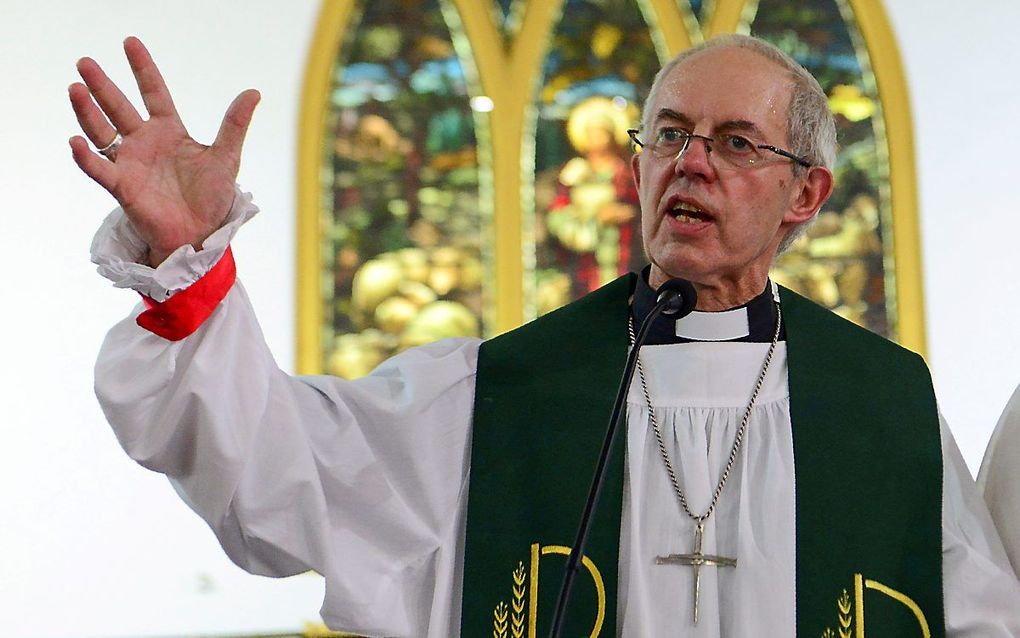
{"x": 509, "y": 75}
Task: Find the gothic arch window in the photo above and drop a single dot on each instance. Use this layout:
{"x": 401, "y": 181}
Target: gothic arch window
{"x": 461, "y": 163}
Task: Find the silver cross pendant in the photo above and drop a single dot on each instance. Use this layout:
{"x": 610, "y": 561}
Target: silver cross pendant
{"x": 697, "y": 560}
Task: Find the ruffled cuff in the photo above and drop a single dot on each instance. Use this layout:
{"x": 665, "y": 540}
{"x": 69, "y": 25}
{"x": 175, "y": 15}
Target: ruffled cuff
{"x": 118, "y": 252}
{"x": 182, "y": 314}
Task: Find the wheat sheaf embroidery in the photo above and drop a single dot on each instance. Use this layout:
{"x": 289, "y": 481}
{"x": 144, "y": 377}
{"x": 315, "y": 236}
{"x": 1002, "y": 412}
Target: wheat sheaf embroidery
{"x": 515, "y": 612}
{"x": 845, "y": 618}
{"x": 499, "y": 621}
{"x": 517, "y": 617}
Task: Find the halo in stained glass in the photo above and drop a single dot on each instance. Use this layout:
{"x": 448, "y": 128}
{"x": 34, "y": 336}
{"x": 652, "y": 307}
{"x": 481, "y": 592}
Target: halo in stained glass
{"x": 845, "y": 260}
{"x": 400, "y": 224}
{"x": 586, "y": 224}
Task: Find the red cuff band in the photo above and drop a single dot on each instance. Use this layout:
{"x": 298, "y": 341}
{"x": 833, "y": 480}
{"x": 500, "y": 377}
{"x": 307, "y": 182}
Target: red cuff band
{"x": 184, "y": 312}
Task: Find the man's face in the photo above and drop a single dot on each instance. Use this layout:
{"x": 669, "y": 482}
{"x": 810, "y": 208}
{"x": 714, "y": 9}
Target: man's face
{"x": 743, "y": 213}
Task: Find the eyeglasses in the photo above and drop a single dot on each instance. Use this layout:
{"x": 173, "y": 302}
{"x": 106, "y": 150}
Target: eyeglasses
{"x": 736, "y": 150}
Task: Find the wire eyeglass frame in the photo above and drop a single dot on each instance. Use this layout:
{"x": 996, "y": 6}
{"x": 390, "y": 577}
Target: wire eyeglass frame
{"x": 724, "y": 138}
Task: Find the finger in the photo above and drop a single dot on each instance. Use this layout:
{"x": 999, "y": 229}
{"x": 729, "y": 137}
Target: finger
{"x": 102, "y": 171}
{"x": 109, "y": 97}
{"x": 93, "y": 123}
{"x": 154, "y": 92}
{"x": 234, "y": 127}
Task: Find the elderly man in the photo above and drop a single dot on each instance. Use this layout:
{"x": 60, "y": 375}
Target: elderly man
{"x": 785, "y": 473}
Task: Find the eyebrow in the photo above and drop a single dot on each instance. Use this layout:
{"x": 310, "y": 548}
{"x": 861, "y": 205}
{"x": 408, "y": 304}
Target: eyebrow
{"x": 670, "y": 114}
{"x": 745, "y": 126}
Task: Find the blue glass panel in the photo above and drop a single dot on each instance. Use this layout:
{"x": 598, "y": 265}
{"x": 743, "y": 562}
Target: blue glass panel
{"x": 505, "y": 6}
{"x": 698, "y": 9}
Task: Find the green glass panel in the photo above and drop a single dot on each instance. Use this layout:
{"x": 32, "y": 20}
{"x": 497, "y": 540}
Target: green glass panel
{"x": 400, "y": 224}
{"x": 586, "y": 227}
{"x": 845, "y": 261}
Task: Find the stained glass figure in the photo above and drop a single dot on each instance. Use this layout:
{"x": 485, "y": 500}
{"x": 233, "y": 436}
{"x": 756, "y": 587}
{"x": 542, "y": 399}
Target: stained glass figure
{"x": 587, "y": 226}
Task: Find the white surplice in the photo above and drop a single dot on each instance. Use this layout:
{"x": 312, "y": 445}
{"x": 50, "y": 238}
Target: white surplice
{"x": 366, "y": 481}
{"x": 999, "y": 478}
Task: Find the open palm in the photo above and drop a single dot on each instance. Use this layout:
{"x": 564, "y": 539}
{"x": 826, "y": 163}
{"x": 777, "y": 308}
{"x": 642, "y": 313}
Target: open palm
{"x": 174, "y": 190}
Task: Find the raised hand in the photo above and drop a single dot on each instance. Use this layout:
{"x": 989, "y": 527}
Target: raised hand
{"x": 174, "y": 190}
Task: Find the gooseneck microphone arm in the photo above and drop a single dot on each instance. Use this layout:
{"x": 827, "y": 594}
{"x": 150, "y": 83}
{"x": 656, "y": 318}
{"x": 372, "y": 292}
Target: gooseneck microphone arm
{"x": 675, "y": 297}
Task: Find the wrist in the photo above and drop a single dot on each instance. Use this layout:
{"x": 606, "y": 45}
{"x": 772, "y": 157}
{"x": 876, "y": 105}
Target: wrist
{"x": 123, "y": 255}
{"x": 156, "y": 254}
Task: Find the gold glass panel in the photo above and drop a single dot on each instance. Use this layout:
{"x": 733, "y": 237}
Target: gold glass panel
{"x": 401, "y": 260}
{"x": 586, "y": 225}
{"x": 845, "y": 260}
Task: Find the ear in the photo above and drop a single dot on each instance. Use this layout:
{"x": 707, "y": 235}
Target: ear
{"x": 635, "y": 167}
{"x": 814, "y": 189}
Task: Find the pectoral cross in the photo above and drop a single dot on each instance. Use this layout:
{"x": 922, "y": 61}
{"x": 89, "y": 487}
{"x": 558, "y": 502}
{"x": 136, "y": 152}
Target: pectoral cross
{"x": 696, "y": 560}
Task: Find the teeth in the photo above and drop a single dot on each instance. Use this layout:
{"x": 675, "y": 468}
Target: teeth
{"x": 688, "y": 214}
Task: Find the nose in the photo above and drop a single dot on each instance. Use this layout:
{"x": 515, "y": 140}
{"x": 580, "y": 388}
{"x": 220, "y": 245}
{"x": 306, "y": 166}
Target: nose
{"x": 695, "y": 159}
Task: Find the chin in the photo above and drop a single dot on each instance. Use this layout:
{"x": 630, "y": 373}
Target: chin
{"x": 679, "y": 269}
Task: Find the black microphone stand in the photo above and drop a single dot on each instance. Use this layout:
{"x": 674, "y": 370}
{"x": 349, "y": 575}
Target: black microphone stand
{"x": 675, "y": 297}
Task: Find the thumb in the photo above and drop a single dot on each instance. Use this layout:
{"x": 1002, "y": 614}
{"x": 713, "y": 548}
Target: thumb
{"x": 230, "y": 137}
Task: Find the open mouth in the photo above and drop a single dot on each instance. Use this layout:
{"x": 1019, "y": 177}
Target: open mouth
{"x": 689, "y": 214}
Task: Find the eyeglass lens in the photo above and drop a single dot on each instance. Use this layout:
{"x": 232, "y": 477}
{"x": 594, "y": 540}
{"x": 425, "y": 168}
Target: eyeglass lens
{"x": 735, "y": 150}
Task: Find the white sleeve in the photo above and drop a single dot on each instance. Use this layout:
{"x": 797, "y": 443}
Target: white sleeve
{"x": 999, "y": 478}
{"x": 362, "y": 481}
{"x": 120, "y": 253}
{"x": 982, "y": 595}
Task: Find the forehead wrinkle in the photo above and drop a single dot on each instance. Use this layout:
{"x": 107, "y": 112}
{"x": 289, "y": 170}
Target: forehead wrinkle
{"x": 745, "y": 126}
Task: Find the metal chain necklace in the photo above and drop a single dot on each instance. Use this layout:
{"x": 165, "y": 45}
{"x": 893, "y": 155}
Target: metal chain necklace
{"x": 697, "y": 559}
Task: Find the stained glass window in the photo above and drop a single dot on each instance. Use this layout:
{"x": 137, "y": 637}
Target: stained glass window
{"x": 595, "y": 76}
{"x": 416, "y": 229}
{"x": 400, "y": 239}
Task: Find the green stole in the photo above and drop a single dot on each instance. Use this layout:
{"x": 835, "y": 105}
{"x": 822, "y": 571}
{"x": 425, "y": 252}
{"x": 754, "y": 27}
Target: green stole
{"x": 868, "y": 476}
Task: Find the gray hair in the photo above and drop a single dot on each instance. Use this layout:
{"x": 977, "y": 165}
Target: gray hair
{"x": 811, "y": 130}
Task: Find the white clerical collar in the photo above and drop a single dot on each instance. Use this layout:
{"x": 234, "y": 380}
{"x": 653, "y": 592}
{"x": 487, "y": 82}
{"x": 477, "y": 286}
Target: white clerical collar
{"x": 726, "y": 325}
{"x": 754, "y": 322}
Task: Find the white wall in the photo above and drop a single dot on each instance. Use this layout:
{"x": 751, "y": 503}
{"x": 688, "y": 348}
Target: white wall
{"x": 91, "y": 544}
{"x": 959, "y": 59}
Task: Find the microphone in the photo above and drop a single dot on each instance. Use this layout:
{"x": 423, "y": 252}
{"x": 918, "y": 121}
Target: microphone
{"x": 676, "y": 298}
{"x": 679, "y": 295}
